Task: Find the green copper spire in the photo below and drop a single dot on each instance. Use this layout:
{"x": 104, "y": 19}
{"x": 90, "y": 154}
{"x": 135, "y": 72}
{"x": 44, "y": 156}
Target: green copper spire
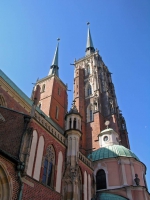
{"x": 54, "y": 67}
{"x": 89, "y": 45}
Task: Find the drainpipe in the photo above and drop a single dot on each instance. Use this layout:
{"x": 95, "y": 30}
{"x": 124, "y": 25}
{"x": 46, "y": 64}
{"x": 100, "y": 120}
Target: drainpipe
{"x": 21, "y": 165}
{"x": 20, "y": 168}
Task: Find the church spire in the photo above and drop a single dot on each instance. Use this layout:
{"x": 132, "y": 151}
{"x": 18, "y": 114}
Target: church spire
{"x": 89, "y": 45}
{"x": 54, "y": 67}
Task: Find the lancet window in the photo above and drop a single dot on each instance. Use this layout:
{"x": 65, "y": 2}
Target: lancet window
{"x": 89, "y": 90}
{"x": 48, "y": 173}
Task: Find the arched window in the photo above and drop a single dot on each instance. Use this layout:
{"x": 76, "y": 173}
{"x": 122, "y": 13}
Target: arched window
{"x": 48, "y": 173}
{"x": 90, "y": 113}
{"x": 43, "y": 88}
{"x": 89, "y": 90}
{"x": 101, "y": 180}
{"x": 2, "y": 101}
{"x": 74, "y": 123}
{"x": 70, "y": 121}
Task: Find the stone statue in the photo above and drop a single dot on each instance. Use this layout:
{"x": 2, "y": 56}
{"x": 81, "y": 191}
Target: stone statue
{"x": 137, "y": 180}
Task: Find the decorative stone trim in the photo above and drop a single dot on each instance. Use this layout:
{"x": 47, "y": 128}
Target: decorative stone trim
{"x": 50, "y": 128}
{"x": 85, "y": 160}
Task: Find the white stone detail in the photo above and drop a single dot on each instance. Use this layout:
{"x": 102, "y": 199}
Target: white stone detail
{"x": 59, "y": 172}
{"x": 32, "y": 153}
{"x": 39, "y": 156}
{"x": 85, "y": 185}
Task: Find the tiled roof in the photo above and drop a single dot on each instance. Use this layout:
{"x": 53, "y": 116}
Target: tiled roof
{"x": 108, "y": 196}
{"x": 28, "y": 100}
{"x": 112, "y": 151}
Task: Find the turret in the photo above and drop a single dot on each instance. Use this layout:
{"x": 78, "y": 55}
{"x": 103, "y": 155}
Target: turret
{"x": 73, "y": 134}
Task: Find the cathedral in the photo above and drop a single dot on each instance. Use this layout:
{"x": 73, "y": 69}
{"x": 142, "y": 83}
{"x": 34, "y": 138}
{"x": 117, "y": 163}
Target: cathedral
{"x": 48, "y": 152}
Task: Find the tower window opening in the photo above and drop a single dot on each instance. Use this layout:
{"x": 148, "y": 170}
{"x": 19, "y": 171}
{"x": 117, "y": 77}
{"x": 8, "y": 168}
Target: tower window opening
{"x": 70, "y": 122}
{"x": 57, "y": 112}
{"x": 91, "y": 115}
{"x": 43, "y": 88}
{"x": 74, "y": 123}
{"x": 101, "y": 180}
{"x": 89, "y": 90}
{"x": 88, "y": 70}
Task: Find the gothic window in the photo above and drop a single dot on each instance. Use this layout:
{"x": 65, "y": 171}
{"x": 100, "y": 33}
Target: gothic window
{"x": 100, "y": 180}
{"x": 89, "y": 90}
{"x": 70, "y": 121}
{"x": 43, "y": 88}
{"x": 48, "y": 173}
{"x": 2, "y": 101}
{"x": 57, "y": 112}
{"x": 91, "y": 115}
{"x": 88, "y": 70}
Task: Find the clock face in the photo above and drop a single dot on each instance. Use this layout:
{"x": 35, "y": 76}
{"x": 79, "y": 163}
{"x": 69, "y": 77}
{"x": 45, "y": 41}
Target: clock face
{"x": 105, "y": 138}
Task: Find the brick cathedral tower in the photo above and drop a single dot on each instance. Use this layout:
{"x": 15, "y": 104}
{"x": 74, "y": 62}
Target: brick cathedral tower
{"x": 96, "y": 100}
{"x": 53, "y": 99}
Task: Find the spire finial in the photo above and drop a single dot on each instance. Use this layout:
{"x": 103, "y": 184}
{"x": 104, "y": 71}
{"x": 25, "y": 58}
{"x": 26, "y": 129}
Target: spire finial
{"x": 89, "y": 45}
{"x": 54, "y": 67}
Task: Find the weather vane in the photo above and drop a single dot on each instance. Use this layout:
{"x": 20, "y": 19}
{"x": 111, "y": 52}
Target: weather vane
{"x": 88, "y": 23}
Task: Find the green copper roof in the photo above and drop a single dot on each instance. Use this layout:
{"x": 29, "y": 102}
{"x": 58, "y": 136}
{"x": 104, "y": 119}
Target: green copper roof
{"x": 54, "y": 67}
{"x": 112, "y": 151}
{"x": 89, "y": 40}
{"x": 28, "y": 100}
{"x": 108, "y": 196}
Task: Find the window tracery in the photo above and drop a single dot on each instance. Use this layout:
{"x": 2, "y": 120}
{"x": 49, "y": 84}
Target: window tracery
{"x": 49, "y": 161}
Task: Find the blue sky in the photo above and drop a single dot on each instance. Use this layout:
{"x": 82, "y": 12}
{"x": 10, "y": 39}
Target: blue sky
{"x": 120, "y": 30}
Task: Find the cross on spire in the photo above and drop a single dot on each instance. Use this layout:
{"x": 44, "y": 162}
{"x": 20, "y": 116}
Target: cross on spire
{"x": 54, "y": 67}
